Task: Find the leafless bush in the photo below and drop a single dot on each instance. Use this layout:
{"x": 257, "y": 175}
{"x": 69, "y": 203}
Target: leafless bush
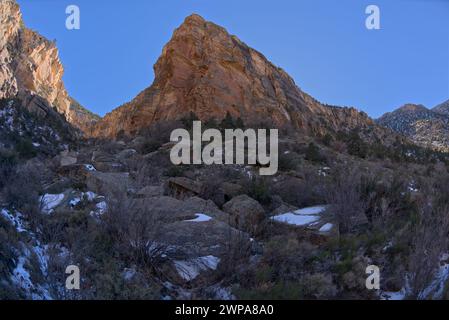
{"x": 345, "y": 198}
{"x": 236, "y": 255}
{"x": 303, "y": 192}
{"x": 134, "y": 228}
{"x": 429, "y": 242}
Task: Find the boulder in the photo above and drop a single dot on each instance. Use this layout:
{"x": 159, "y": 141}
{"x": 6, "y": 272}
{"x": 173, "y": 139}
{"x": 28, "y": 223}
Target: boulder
{"x": 67, "y": 160}
{"x": 196, "y": 205}
{"x": 150, "y": 192}
{"x": 106, "y": 162}
{"x": 103, "y": 182}
{"x": 183, "y": 188}
{"x": 245, "y": 213}
{"x": 231, "y": 190}
{"x": 125, "y": 154}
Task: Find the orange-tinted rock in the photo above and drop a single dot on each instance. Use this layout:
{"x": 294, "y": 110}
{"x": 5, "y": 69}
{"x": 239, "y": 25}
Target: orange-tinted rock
{"x": 30, "y": 65}
{"x": 205, "y": 70}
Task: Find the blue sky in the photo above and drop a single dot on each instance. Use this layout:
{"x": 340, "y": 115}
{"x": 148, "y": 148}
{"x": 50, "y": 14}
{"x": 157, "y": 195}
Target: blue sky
{"x": 322, "y": 44}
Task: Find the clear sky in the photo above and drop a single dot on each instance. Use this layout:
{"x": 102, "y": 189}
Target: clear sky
{"x": 323, "y": 44}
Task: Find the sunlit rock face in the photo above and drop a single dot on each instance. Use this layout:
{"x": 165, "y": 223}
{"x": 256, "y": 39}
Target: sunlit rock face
{"x": 30, "y": 65}
{"x": 205, "y": 70}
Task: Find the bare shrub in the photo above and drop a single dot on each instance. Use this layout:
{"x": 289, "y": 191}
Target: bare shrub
{"x": 236, "y": 254}
{"x": 134, "y": 229}
{"x": 429, "y": 242}
{"x": 303, "y": 192}
{"x": 344, "y": 195}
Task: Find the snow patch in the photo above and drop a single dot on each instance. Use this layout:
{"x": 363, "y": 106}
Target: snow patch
{"x": 190, "y": 269}
{"x": 200, "y": 217}
{"x": 50, "y": 201}
{"x": 101, "y": 207}
{"x": 399, "y": 295}
{"x": 327, "y": 227}
{"x": 302, "y": 217}
{"x": 15, "y": 220}
{"x": 90, "y": 167}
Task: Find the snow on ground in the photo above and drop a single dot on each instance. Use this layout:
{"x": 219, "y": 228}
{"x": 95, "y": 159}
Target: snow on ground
{"x": 15, "y": 219}
{"x": 90, "y": 167}
{"x": 200, "y": 217}
{"x": 436, "y": 287}
{"x": 400, "y": 295}
{"x": 50, "y": 201}
{"x": 129, "y": 273}
{"x": 295, "y": 219}
{"x": 327, "y": 227}
{"x": 223, "y": 293}
{"x": 302, "y": 217}
{"x": 434, "y": 290}
{"x": 89, "y": 196}
{"x": 101, "y": 207}
{"x": 21, "y": 277}
{"x": 311, "y": 210}
{"x": 74, "y": 202}
{"x": 190, "y": 269}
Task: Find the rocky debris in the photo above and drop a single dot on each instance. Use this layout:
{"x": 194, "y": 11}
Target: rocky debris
{"x": 205, "y": 70}
{"x": 245, "y": 213}
{"x": 181, "y": 187}
{"x": 30, "y": 66}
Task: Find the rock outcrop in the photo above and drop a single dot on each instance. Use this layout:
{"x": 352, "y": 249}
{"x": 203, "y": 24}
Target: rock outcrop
{"x": 30, "y": 66}
{"x": 205, "y": 70}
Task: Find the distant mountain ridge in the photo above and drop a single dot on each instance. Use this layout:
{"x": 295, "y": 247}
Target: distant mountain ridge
{"x": 442, "y": 108}
{"x": 426, "y": 127}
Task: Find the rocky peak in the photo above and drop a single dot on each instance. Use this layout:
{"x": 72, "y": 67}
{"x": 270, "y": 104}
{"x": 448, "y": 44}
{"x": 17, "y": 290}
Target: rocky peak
{"x": 442, "y": 108}
{"x": 423, "y": 126}
{"x": 410, "y": 107}
{"x": 30, "y": 65}
{"x": 205, "y": 70}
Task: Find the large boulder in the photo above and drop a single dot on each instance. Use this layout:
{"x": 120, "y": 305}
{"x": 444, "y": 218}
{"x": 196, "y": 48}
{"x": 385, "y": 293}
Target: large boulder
{"x": 106, "y": 162}
{"x": 67, "y": 158}
{"x": 104, "y": 182}
{"x": 183, "y": 188}
{"x": 125, "y": 154}
{"x": 245, "y": 213}
{"x": 150, "y": 192}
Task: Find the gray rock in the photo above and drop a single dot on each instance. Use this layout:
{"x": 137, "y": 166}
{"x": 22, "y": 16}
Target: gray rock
{"x": 245, "y": 213}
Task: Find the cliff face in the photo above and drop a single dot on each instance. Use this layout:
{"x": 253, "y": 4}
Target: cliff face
{"x": 30, "y": 65}
{"x": 205, "y": 70}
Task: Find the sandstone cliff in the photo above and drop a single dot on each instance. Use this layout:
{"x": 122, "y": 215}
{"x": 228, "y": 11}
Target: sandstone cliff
{"x": 30, "y": 65}
{"x": 205, "y": 70}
